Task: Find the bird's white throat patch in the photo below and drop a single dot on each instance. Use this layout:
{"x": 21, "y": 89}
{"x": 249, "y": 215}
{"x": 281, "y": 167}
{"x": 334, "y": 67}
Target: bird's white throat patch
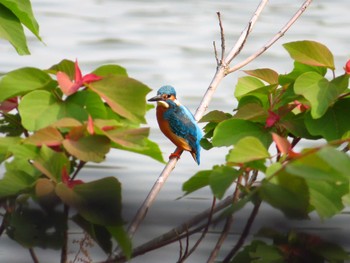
{"x": 162, "y": 103}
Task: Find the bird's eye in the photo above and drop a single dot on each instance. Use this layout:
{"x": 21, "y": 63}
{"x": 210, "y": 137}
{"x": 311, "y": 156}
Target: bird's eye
{"x": 168, "y": 96}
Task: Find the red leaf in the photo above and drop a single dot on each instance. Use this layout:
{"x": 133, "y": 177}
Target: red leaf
{"x": 67, "y": 181}
{"x": 347, "y": 67}
{"x": 9, "y": 104}
{"x": 271, "y": 119}
{"x": 78, "y": 76}
{"x": 282, "y": 143}
{"x": 67, "y": 86}
{"x": 90, "y": 78}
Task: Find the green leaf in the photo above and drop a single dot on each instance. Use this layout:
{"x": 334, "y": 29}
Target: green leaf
{"x": 98, "y": 233}
{"x": 88, "y": 149}
{"x": 21, "y": 81}
{"x": 126, "y": 96}
{"x": 40, "y": 108}
{"x": 229, "y": 132}
{"x": 11, "y": 29}
{"x": 289, "y": 193}
{"x": 48, "y": 136}
{"x": 295, "y": 124}
{"x": 5, "y": 144}
{"x": 333, "y": 124}
{"x": 266, "y": 74}
{"x": 221, "y": 178}
{"x": 99, "y": 202}
{"x": 106, "y": 70}
{"x": 251, "y": 112}
{"x": 247, "y": 84}
{"x": 310, "y": 53}
{"x": 318, "y": 91}
{"x": 66, "y": 66}
{"x": 51, "y": 163}
{"x": 23, "y": 10}
{"x": 197, "y": 181}
{"x": 215, "y": 116}
{"x": 246, "y": 150}
{"x": 33, "y": 227}
{"x": 299, "y": 69}
{"x": 19, "y": 176}
{"x": 122, "y": 238}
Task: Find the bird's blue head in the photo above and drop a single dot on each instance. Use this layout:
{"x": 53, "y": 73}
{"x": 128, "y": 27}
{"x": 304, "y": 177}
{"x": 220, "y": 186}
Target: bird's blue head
{"x": 164, "y": 94}
{"x": 168, "y": 90}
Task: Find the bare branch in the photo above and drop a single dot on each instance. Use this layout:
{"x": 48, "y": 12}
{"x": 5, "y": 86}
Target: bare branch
{"x": 223, "y": 44}
{"x": 216, "y": 54}
{"x": 272, "y": 40}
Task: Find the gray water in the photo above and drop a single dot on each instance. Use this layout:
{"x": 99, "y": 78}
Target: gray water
{"x": 170, "y": 42}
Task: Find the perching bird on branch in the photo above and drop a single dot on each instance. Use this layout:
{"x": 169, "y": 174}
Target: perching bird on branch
{"x": 177, "y": 123}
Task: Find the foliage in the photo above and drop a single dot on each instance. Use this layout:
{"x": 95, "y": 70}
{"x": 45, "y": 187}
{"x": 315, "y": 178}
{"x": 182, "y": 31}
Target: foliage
{"x": 276, "y": 113}
{"x": 50, "y": 136}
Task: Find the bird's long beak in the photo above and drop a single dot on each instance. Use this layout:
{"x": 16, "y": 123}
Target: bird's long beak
{"x": 156, "y": 98}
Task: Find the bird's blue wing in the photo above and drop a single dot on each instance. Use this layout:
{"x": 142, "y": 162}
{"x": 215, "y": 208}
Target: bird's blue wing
{"x": 183, "y": 124}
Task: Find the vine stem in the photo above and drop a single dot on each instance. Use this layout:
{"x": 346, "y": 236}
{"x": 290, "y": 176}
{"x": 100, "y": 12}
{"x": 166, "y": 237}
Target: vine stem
{"x": 221, "y": 72}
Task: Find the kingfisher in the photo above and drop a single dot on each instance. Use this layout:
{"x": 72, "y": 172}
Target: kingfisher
{"x": 177, "y": 123}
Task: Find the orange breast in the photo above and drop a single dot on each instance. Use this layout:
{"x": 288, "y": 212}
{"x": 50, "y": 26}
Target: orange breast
{"x": 165, "y": 128}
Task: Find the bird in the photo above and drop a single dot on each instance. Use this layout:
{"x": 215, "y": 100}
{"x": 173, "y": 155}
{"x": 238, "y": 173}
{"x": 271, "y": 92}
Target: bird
{"x": 177, "y": 123}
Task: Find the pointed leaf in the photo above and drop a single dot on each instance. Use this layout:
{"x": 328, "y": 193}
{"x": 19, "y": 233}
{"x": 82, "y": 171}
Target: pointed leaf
{"x": 48, "y": 136}
{"x": 66, "y": 66}
{"x": 266, "y": 74}
{"x": 197, "y": 181}
{"x": 126, "y": 96}
{"x": 122, "y": 238}
{"x": 23, "y": 80}
{"x": 310, "y": 53}
{"x": 106, "y": 70}
{"x": 246, "y": 150}
{"x": 11, "y": 29}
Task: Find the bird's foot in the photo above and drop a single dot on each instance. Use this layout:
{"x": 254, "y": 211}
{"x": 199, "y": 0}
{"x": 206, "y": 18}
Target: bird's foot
{"x": 176, "y": 154}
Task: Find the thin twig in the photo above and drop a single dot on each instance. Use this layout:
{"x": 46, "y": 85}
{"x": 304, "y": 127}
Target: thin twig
{"x": 227, "y": 225}
{"x": 33, "y": 255}
{"x": 244, "y": 234}
{"x": 204, "y": 232}
{"x": 222, "y": 34}
{"x": 272, "y": 40}
{"x": 216, "y": 55}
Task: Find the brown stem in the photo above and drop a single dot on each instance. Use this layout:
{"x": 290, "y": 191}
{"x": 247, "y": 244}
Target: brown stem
{"x": 33, "y": 255}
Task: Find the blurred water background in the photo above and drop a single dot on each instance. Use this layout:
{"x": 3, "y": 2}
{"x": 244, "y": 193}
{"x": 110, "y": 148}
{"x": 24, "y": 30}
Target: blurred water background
{"x": 170, "y": 42}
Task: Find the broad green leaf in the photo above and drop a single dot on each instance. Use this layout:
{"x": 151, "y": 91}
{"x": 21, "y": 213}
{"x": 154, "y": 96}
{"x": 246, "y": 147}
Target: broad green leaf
{"x": 318, "y": 91}
{"x": 23, "y": 10}
{"x": 106, "y": 70}
{"x": 197, "y": 181}
{"x": 99, "y": 202}
{"x": 247, "y": 84}
{"x": 66, "y": 66}
{"x": 40, "y": 108}
{"x": 48, "y": 136}
{"x": 19, "y": 176}
{"x": 290, "y": 194}
{"x": 11, "y": 29}
{"x": 333, "y": 124}
{"x": 88, "y": 149}
{"x": 21, "y": 81}
{"x": 247, "y": 149}
{"x": 310, "y": 53}
{"x": 221, "y": 178}
{"x": 33, "y": 227}
{"x": 126, "y": 96}
{"x": 51, "y": 163}
{"x": 215, "y": 116}
{"x": 122, "y": 238}
{"x": 295, "y": 124}
{"x": 266, "y": 74}
{"x": 229, "y": 132}
{"x": 5, "y": 144}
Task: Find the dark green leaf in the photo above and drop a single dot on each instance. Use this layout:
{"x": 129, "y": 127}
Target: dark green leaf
{"x": 251, "y": 112}
{"x": 198, "y": 181}
{"x": 215, "y": 116}
{"x": 99, "y": 202}
{"x": 333, "y": 124}
{"x": 299, "y": 69}
{"x": 64, "y": 65}
{"x": 122, "y": 238}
